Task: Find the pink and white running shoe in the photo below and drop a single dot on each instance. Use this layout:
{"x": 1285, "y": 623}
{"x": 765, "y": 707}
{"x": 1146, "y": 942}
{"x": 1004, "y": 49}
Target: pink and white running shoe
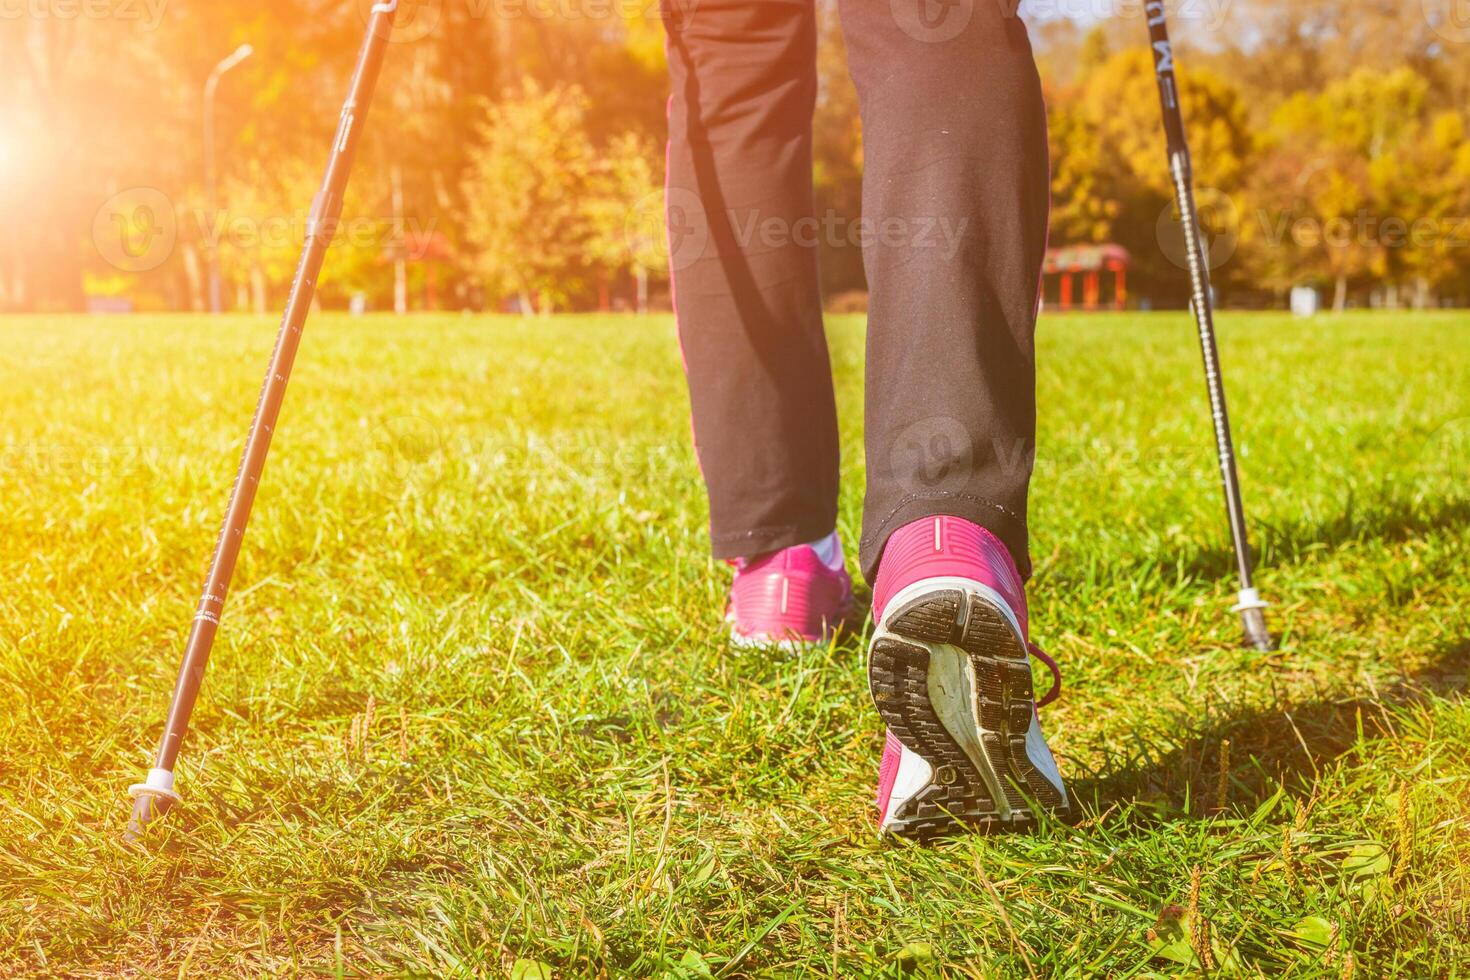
{"x": 790, "y": 597}
{"x": 949, "y": 669}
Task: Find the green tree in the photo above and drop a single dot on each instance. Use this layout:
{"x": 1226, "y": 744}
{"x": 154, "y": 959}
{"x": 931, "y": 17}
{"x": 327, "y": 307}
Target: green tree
{"x": 624, "y": 210}
{"x": 260, "y": 228}
{"x": 524, "y": 193}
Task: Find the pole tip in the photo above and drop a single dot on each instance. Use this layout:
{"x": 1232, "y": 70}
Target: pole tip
{"x": 151, "y": 800}
{"x": 1257, "y": 635}
{"x": 146, "y": 808}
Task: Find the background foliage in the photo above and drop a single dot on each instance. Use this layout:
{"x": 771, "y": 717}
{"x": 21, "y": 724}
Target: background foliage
{"x": 1329, "y": 139}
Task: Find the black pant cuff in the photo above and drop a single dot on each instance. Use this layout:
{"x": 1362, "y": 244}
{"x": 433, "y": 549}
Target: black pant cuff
{"x": 728, "y": 545}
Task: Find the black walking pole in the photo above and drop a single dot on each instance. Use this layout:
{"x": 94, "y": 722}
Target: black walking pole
{"x": 1252, "y": 610}
{"x": 153, "y": 797}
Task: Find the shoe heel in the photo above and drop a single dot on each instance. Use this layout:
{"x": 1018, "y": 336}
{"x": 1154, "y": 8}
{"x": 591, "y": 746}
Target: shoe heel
{"x": 1006, "y": 705}
{"x": 991, "y": 782}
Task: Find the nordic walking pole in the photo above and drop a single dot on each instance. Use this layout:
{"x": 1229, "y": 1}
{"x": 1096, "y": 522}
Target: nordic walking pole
{"x": 153, "y": 797}
{"x": 1252, "y": 610}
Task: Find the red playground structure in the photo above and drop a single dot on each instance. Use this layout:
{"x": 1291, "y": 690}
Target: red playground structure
{"x": 1089, "y": 261}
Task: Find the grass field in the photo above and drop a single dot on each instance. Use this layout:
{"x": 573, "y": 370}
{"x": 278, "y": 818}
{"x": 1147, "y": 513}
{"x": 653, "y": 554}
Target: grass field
{"x": 472, "y": 709}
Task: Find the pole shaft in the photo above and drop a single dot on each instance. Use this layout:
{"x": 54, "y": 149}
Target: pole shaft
{"x": 1214, "y": 381}
{"x": 321, "y": 225}
{"x": 1181, "y": 172}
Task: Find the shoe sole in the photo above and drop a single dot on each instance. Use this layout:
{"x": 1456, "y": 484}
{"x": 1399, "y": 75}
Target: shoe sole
{"x": 955, "y": 639}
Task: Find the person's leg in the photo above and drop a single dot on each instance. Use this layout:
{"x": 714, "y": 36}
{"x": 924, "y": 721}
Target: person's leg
{"x": 743, "y": 261}
{"x": 955, "y": 192}
{"x": 956, "y": 200}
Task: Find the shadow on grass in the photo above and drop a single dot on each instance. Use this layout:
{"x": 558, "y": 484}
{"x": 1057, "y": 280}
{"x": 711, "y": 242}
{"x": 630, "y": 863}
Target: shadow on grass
{"x": 1388, "y": 520}
{"x": 1285, "y": 744}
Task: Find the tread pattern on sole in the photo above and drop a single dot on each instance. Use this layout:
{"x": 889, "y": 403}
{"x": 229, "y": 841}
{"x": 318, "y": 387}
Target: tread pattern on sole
{"x": 959, "y": 798}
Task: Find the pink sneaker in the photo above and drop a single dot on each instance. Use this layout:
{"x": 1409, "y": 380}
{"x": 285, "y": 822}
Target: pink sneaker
{"x": 788, "y": 597}
{"x": 949, "y": 671}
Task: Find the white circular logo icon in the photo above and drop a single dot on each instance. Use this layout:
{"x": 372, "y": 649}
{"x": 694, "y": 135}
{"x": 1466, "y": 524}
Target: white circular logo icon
{"x": 674, "y": 222}
{"x": 1217, "y": 212}
{"x": 135, "y": 230}
{"x": 1450, "y": 19}
{"x": 416, "y": 19}
{"x": 933, "y": 454}
{"x": 932, "y": 21}
{"x": 413, "y": 450}
{"x": 1449, "y": 445}
{"x": 676, "y": 14}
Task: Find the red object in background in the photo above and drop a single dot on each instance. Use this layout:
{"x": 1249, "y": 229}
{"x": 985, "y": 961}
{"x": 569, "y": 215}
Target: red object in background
{"x": 1090, "y": 261}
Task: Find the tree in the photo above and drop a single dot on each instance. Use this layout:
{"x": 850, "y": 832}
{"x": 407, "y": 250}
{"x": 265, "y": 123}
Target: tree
{"x": 837, "y": 150}
{"x": 75, "y": 129}
{"x": 1277, "y": 48}
{"x": 524, "y": 193}
{"x": 1083, "y": 208}
{"x": 258, "y": 230}
{"x": 1345, "y": 146}
{"x": 1423, "y": 185}
{"x": 1110, "y": 166}
{"x": 1281, "y": 126}
{"x": 625, "y": 212}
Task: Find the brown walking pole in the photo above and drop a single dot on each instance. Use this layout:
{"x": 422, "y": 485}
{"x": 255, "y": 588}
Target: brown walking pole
{"x": 153, "y": 797}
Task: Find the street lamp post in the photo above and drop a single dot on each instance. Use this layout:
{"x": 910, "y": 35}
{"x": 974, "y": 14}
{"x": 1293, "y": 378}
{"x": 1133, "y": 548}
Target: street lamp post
{"x": 210, "y": 87}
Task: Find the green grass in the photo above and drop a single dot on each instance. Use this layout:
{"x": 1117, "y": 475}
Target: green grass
{"x": 487, "y": 537}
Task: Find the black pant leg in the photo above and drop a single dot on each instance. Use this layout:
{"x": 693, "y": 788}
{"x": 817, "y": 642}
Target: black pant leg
{"x": 956, "y": 201}
{"x": 746, "y": 290}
